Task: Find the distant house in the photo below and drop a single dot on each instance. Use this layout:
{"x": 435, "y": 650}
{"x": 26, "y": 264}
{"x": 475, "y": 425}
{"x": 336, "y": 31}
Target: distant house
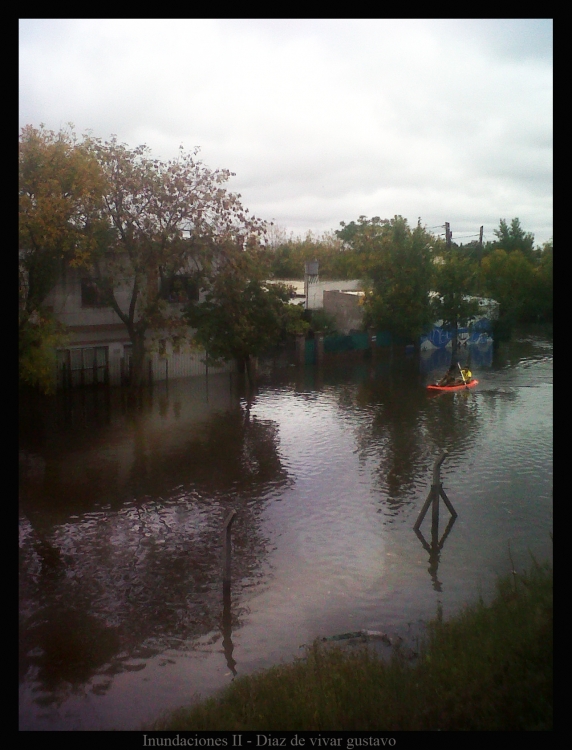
{"x": 346, "y": 307}
{"x": 99, "y": 347}
{"x": 311, "y": 295}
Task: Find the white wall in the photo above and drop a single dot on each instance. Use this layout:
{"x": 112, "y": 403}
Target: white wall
{"x": 65, "y": 298}
{"x": 316, "y": 291}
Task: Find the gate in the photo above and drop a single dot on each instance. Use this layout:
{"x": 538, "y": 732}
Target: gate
{"x": 87, "y": 366}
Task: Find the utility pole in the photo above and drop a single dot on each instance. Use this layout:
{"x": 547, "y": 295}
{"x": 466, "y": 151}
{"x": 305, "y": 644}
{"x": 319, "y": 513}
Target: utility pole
{"x": 448, "y": 234}
{"x": 480, "y": 245}
{"x": 310, "y": 277}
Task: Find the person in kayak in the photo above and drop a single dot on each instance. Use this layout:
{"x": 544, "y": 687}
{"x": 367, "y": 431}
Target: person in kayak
{"x": 449, "y": 377}
{"x": 456, "y": 376}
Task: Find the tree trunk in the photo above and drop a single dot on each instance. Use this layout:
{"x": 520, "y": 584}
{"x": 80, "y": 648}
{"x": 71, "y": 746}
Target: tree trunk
{"x": 454, "y": 345}
{"x": 138, "y": 360}
{"x": 247, "y": 365}
{"x": 251, "y": 370}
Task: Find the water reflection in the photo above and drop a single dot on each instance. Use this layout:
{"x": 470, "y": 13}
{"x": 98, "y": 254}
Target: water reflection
{"x": 64, "y": 646}
{"x": 405, "y": 427}
{"x": 120, "y": 557}
{"x": 122, "y": 507}
{"x": 476, "y": 356}
{"x": 436, "y": 494}
{"x": 394, "y": 433}
{"x": 226, "y": 629}
{"x": 434, "y": 549}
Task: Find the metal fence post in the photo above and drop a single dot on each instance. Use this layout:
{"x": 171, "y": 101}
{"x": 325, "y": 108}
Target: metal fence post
{"x": 433, "y": 496}
{"x": 226, "y": 546}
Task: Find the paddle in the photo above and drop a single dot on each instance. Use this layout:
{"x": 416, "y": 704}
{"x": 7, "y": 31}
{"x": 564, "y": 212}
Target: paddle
{"x": 462, "y": 375}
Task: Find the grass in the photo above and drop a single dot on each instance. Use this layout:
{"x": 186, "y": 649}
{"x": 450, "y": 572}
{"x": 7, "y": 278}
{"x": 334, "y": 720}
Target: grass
{"x": 488, "y": 668}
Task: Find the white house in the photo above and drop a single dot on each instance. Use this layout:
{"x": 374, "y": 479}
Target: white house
{"x": 99, "y": 347}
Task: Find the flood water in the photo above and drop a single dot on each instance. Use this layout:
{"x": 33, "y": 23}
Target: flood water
{"x": 122, "y": 508}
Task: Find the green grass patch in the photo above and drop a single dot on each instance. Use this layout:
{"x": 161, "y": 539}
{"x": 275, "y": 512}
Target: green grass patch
{"x": 488, "y": 668}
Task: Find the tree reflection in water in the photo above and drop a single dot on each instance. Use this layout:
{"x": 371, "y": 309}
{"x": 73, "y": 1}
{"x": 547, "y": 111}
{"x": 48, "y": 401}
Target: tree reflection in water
{"x": 120, "y": 558}
{"x": 401, "y": 434}
{"x": 122, "y": 512}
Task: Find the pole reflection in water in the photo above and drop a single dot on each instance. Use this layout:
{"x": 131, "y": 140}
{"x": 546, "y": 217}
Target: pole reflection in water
{"x": 436, "y": 546}
{"x": 121, "y": 514}
{"x": 226, "y": 606}
{"x": 227, "y": 628}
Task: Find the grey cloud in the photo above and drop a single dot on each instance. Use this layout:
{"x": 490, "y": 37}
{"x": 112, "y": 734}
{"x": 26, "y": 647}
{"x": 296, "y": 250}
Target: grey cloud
{"x": 321, "y": 120}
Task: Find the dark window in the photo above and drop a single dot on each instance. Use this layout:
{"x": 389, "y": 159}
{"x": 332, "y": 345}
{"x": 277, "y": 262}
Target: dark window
{"x": 83, "y": 366}
{"x": 180, "y": 288}
{"x": 91, "y": 295}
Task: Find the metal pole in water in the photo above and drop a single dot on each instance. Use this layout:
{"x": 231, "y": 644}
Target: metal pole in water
{"x": 435, "y": 489}
{"x": 437, "y": 469}
{"x": 226, "y": 546}
{"x": 433, "y": 496}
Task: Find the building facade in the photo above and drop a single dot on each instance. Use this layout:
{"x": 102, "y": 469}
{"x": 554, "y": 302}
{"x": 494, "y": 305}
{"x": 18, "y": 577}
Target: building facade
{"x": 99, "y": 348}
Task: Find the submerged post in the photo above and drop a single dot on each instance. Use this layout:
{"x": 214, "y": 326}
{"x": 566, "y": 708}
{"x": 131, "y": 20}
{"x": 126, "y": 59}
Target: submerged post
{"x": 226, "y": 546}
{"x": 433, "y": 496}
{"x": 372, "y": 339}
{"x": 300, "y": 349}
{"x": 319, "y": 344}
{"x": 436, "y": 545}
{"x": 437, "y": 469}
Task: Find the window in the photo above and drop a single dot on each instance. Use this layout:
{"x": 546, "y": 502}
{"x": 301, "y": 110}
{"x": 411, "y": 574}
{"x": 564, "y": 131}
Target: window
{"x": 180, "y": 288}
{"x": 91, "y": 295}
{"x": 83, "y": 366}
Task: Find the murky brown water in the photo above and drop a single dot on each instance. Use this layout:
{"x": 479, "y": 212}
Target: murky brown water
{"x": 122, "y": 507}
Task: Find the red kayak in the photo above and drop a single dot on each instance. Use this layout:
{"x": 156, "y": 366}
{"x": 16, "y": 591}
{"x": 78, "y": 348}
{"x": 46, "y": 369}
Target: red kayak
{"x": 444, "y": 388}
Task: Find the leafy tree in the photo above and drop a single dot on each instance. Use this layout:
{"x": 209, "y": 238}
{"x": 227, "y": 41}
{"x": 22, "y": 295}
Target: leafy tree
{"x": 285, "y": 262}
{"x": 242, "y": 315}
{"x": 353, "y": 232}
{"x": 60, "y": 187}
{"x": 544, "y": 284}
{"x": 513, "y": 237}
{"x": 38, "y": 340}
{"x": 364, "y": 239}
{"x": 453, "y": 282}
{"x": 398, "y": 263}
{"x": 509, "y": 278}
{"x": 288, "y": 257}
{"x": 165, "y": 217}
{"x": 472, "y": 250}
{"x": 320, "y": 320}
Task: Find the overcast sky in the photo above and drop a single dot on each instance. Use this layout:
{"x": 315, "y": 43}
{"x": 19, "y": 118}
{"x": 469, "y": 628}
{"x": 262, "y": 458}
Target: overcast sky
{"x": 322, "y": 120}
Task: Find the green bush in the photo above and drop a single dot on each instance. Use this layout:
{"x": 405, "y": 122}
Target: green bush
{"x": 489, "y": 668}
